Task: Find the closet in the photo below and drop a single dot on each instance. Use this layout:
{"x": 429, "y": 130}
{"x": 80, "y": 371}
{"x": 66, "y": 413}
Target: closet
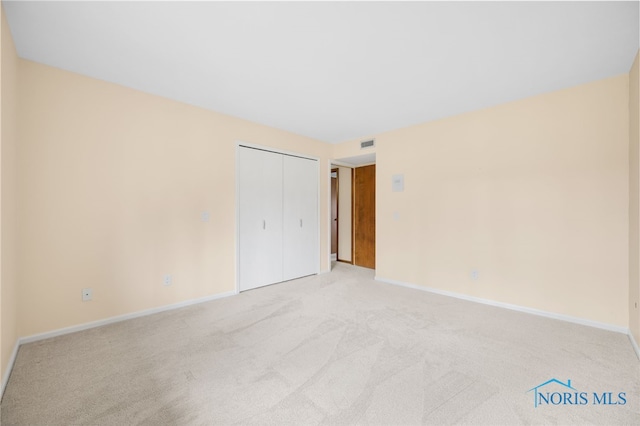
{"x": 277, "y": 217}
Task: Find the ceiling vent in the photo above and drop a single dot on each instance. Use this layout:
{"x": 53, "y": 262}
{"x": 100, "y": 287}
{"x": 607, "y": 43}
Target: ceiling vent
{"x": 368, "y": 144}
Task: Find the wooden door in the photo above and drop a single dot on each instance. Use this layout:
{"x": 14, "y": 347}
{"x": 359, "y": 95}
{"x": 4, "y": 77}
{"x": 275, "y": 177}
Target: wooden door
{"x": 260, "y": 200}
{"x": 300, "y": 202}
{"x": 334, "y": 212}
{"x": 364, "y": 216}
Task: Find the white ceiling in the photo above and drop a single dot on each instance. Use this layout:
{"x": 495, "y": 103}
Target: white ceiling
{"x": 333, "y": 71}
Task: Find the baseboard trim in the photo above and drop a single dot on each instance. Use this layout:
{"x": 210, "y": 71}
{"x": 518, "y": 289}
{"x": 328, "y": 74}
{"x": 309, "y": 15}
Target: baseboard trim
{"x": 547, "y": 314}
{"x": 99, "y": 323}
{"x": 7, "y": 373}
{"x": 119, "y": 318}
{"x": 635, "y": 345}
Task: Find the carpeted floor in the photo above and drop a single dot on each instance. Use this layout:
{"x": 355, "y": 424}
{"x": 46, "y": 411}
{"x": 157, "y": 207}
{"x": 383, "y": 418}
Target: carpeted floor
{"x": 338, "y": 348}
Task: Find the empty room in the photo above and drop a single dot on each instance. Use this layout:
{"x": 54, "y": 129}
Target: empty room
{"x": 301, "y": 213}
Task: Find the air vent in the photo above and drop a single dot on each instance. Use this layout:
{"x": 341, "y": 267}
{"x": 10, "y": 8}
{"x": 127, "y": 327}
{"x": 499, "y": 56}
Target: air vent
{"x": 367, "y": 144}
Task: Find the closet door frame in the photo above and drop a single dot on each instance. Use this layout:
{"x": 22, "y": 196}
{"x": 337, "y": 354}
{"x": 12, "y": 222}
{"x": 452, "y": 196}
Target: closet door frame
{"x": 240, "y": 144}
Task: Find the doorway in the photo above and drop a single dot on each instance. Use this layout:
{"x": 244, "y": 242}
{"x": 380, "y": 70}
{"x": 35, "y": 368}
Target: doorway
{"x": 334, "y": 214}
{"x": 341, "y": 213}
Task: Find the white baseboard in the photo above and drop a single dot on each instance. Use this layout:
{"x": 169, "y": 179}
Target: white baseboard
{"x": 553, "y": 315}
{"x": 334, "y": 257}
{"x": 99, "y": 323}
{"x": 7, "y": 372}
{"x": 634, "y": 344}
{"x": 111, "y": 320}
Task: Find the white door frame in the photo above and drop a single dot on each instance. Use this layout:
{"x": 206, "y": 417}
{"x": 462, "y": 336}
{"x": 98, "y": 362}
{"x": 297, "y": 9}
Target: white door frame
{"x": 237, "y": 239}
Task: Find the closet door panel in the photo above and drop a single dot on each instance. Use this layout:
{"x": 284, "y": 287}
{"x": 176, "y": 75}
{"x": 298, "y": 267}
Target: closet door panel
{"x": 260, "y": 218}
{"x": 300, "y": 246}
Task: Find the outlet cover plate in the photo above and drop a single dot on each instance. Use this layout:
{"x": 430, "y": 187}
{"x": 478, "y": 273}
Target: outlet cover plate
{"x": 87, "y": 294}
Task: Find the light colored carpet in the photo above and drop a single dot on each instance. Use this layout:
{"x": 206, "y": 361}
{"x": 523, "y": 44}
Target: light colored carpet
{"x": 338, "y": 348}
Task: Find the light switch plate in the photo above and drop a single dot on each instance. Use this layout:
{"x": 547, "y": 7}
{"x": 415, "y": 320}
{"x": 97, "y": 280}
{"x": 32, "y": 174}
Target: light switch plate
{"x": 397, "y": 183}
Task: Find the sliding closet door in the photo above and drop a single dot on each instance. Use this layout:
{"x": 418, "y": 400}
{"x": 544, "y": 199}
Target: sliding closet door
{"x": 260, "y": 218}
{"x": 300, "y": 217}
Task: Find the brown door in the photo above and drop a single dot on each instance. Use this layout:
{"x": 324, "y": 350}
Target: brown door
{"x": 334, "y": 213}
{"x": 364, "y": 216}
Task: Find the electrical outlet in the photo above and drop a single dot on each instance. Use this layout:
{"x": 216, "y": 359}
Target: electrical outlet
{"x": 168, "y": 279}
{"x": 87, "y": 294}
{"x": 475, "y": 274}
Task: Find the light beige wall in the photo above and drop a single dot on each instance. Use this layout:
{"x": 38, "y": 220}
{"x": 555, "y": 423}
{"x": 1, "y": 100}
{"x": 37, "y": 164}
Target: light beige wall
{"x": 349, "y": 149}
{"x": 634, "y": 201}
{"x": 344, "y": 213}
{"x": 532, "y": 194}
{"x": 3, "y": 26}
{"x": 8, "y": 223}
{"x": 113, "y": 184}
